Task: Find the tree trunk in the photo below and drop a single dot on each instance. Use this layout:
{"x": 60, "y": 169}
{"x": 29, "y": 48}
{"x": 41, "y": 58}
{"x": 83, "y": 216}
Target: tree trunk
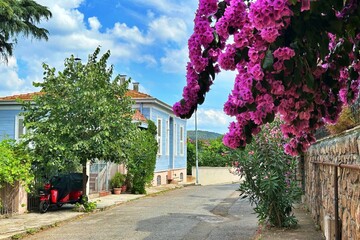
{"x": 85, "y": 178}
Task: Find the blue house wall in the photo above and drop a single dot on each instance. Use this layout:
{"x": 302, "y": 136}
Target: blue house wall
{"x": 171, "y": 159}
{"x": 7, "y": 123}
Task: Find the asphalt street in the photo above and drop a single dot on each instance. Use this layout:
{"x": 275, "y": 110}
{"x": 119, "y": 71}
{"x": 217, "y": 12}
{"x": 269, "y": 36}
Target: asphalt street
{"x": 195, "y": 212}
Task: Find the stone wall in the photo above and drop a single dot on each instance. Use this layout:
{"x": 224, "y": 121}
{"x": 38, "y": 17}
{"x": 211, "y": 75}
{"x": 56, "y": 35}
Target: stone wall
{"x": 13, "y": 199}
{"x": 319, "y": 183}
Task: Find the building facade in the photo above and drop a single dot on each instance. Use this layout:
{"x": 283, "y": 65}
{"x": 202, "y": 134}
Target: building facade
{"x": 171, "y": 137}
{"x": 171, "y": 131}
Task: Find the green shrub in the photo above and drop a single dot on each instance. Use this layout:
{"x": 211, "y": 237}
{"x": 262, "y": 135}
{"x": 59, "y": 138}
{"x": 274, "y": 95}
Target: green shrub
{"x": 142, "y": 159}
{"x": 118, "y": 180}
{"x": 269, "y": 177}
{"x": 15, "y": 164}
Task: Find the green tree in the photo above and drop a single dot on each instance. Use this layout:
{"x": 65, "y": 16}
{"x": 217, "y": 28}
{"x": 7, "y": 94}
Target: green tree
{"x": 213, "y": 153}
{"x": 20, "y": 17}
{"x": 81, "y": 115}
{"x": 142, "y": 160}
{"x": 191, "y": 156}
{"x": 15, "y": 164}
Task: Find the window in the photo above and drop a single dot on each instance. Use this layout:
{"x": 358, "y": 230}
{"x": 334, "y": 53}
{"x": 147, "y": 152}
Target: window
{"x": 19, "y": 127}
{"x": 181, "y": 140}
{"x": 175, "y": 140}
{"x": 167, "y": 140}
{"x": 159, "y": 135}
{"x": 158, "y": 180}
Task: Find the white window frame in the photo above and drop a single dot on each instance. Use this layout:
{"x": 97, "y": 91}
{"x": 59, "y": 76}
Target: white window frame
{"x": 17, "y": 119}
{"x": 175, "y": 140}
{"x": 159, "y": 135}
{"x": 182, "y": 140}
{"x": 167, "y": 140}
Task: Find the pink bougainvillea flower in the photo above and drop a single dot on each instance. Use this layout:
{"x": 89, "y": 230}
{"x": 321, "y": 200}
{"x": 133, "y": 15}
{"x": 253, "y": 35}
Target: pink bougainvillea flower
{"x": 305, "y": 5}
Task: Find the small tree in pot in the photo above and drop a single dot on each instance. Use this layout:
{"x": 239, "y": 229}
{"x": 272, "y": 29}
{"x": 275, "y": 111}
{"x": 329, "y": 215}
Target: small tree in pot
{"x": 116, "y": 182}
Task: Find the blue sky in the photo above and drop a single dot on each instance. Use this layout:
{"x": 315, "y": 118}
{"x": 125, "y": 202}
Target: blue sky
{"x": 147, "y": 40}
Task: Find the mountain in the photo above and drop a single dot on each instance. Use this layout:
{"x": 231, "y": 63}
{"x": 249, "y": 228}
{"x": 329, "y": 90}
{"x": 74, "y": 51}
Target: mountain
{"x": 203, "y": 135}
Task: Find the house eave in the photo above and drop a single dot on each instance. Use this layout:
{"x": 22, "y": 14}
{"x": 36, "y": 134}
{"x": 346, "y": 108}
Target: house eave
{"x": 153, "y": 100}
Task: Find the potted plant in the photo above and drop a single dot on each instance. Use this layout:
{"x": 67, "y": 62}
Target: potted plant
{"x": 116, "y": 182}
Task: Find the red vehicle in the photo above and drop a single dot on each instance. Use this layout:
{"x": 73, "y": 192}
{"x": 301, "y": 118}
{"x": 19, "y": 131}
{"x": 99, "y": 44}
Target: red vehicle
{"x": 62, "y": 189}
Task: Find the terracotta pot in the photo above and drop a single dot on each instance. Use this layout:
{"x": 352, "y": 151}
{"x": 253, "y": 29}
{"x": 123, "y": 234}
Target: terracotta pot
{"x": 117, "y": 191}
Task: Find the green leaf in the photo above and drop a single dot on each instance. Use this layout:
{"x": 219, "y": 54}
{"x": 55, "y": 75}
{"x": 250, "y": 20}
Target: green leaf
{"x": 268, "y": 60}
{"x": 310, "y": 81}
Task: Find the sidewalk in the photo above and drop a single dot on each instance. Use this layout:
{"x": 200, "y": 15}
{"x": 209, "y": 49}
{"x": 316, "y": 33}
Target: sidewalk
{"x": 306, "y": 229}
{"x": 31, "y": 222}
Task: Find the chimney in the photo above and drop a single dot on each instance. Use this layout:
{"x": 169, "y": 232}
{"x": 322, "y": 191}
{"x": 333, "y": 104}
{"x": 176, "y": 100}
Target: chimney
{"x": 122, "y": 79}
{"x": 136, "y": 86}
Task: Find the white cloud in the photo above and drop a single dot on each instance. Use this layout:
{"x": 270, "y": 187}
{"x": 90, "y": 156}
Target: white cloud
{"x": 168, "y": 29}
{"x": 71, "y": 33}
{"x": 214, "y": 120}
{"x": 175, "y": 60}
{"x": 94, "y": 23}
{"x": 10, "y": 80}
{"x": 123, "y": 32}
{"x": 183, "y": 8}
{"x": 64, "y": 20}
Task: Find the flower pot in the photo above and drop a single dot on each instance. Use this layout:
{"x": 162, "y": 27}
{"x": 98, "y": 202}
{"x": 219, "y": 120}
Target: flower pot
{"x": 123, "y": 188}
{"x": 117, "y": 191}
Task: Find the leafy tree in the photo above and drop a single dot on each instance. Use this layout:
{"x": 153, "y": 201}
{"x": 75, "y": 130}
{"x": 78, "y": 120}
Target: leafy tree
{"x": 81, "y": 115}
{"x": 15, "y": 164}
{"x": 20, "y": 17}
{"x": 213, "y": 153}
{"x": 300, "y": 59}
{"x": 191, "y": 156}
{"x": 142, "y": 158}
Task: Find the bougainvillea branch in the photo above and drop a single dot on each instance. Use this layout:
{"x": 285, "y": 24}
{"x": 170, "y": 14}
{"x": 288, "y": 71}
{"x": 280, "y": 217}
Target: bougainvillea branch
{"x": 295, "y": 58}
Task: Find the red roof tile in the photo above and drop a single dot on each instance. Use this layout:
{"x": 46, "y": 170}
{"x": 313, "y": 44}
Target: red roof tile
{"x": 25, "y": 96}
{"x": 131, "y": 93}
{"x": 30, "y": 96}
{"x": 136, "y": 94}
{"x": 138, "y": 116}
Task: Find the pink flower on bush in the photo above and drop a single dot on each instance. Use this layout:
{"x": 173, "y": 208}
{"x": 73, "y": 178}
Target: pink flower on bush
{"x": 269, "y": 34}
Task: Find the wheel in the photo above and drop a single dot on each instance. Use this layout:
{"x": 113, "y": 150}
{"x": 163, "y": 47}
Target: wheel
{"x": 44, "y": 206}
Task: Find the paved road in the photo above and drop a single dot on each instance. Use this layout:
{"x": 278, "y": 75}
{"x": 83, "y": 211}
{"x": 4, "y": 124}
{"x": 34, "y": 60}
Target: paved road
{"x": 196, "y": 212}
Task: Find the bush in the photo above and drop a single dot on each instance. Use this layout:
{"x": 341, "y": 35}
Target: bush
{"x": 15, "y": 164}
{"x": 118, "y": 180}
{"x": 142, "y": 159}
{"x": 269, "y": 177}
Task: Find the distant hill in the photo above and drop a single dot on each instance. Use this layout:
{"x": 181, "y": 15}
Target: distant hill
{"x": 203, "y": 135}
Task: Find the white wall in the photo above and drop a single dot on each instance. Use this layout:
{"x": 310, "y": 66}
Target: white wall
{"x": 215, "y": 175}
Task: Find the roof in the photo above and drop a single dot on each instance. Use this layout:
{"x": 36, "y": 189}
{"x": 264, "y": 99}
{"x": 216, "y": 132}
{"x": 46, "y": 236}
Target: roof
{"x": 138, "y": 116}
{"x": 25, "y": 97}
{"x": 30, "y": 96}
{"x": 139, "y": 97}
{"x": 136, "y": 94}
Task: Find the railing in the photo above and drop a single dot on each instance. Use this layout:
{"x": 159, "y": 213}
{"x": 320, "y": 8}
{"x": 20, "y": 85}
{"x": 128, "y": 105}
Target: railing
{"x": 103, "y": 173}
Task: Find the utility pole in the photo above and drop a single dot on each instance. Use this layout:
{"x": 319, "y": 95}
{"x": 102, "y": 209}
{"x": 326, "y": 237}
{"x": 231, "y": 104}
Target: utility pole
{"x": 196, "y": 150}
